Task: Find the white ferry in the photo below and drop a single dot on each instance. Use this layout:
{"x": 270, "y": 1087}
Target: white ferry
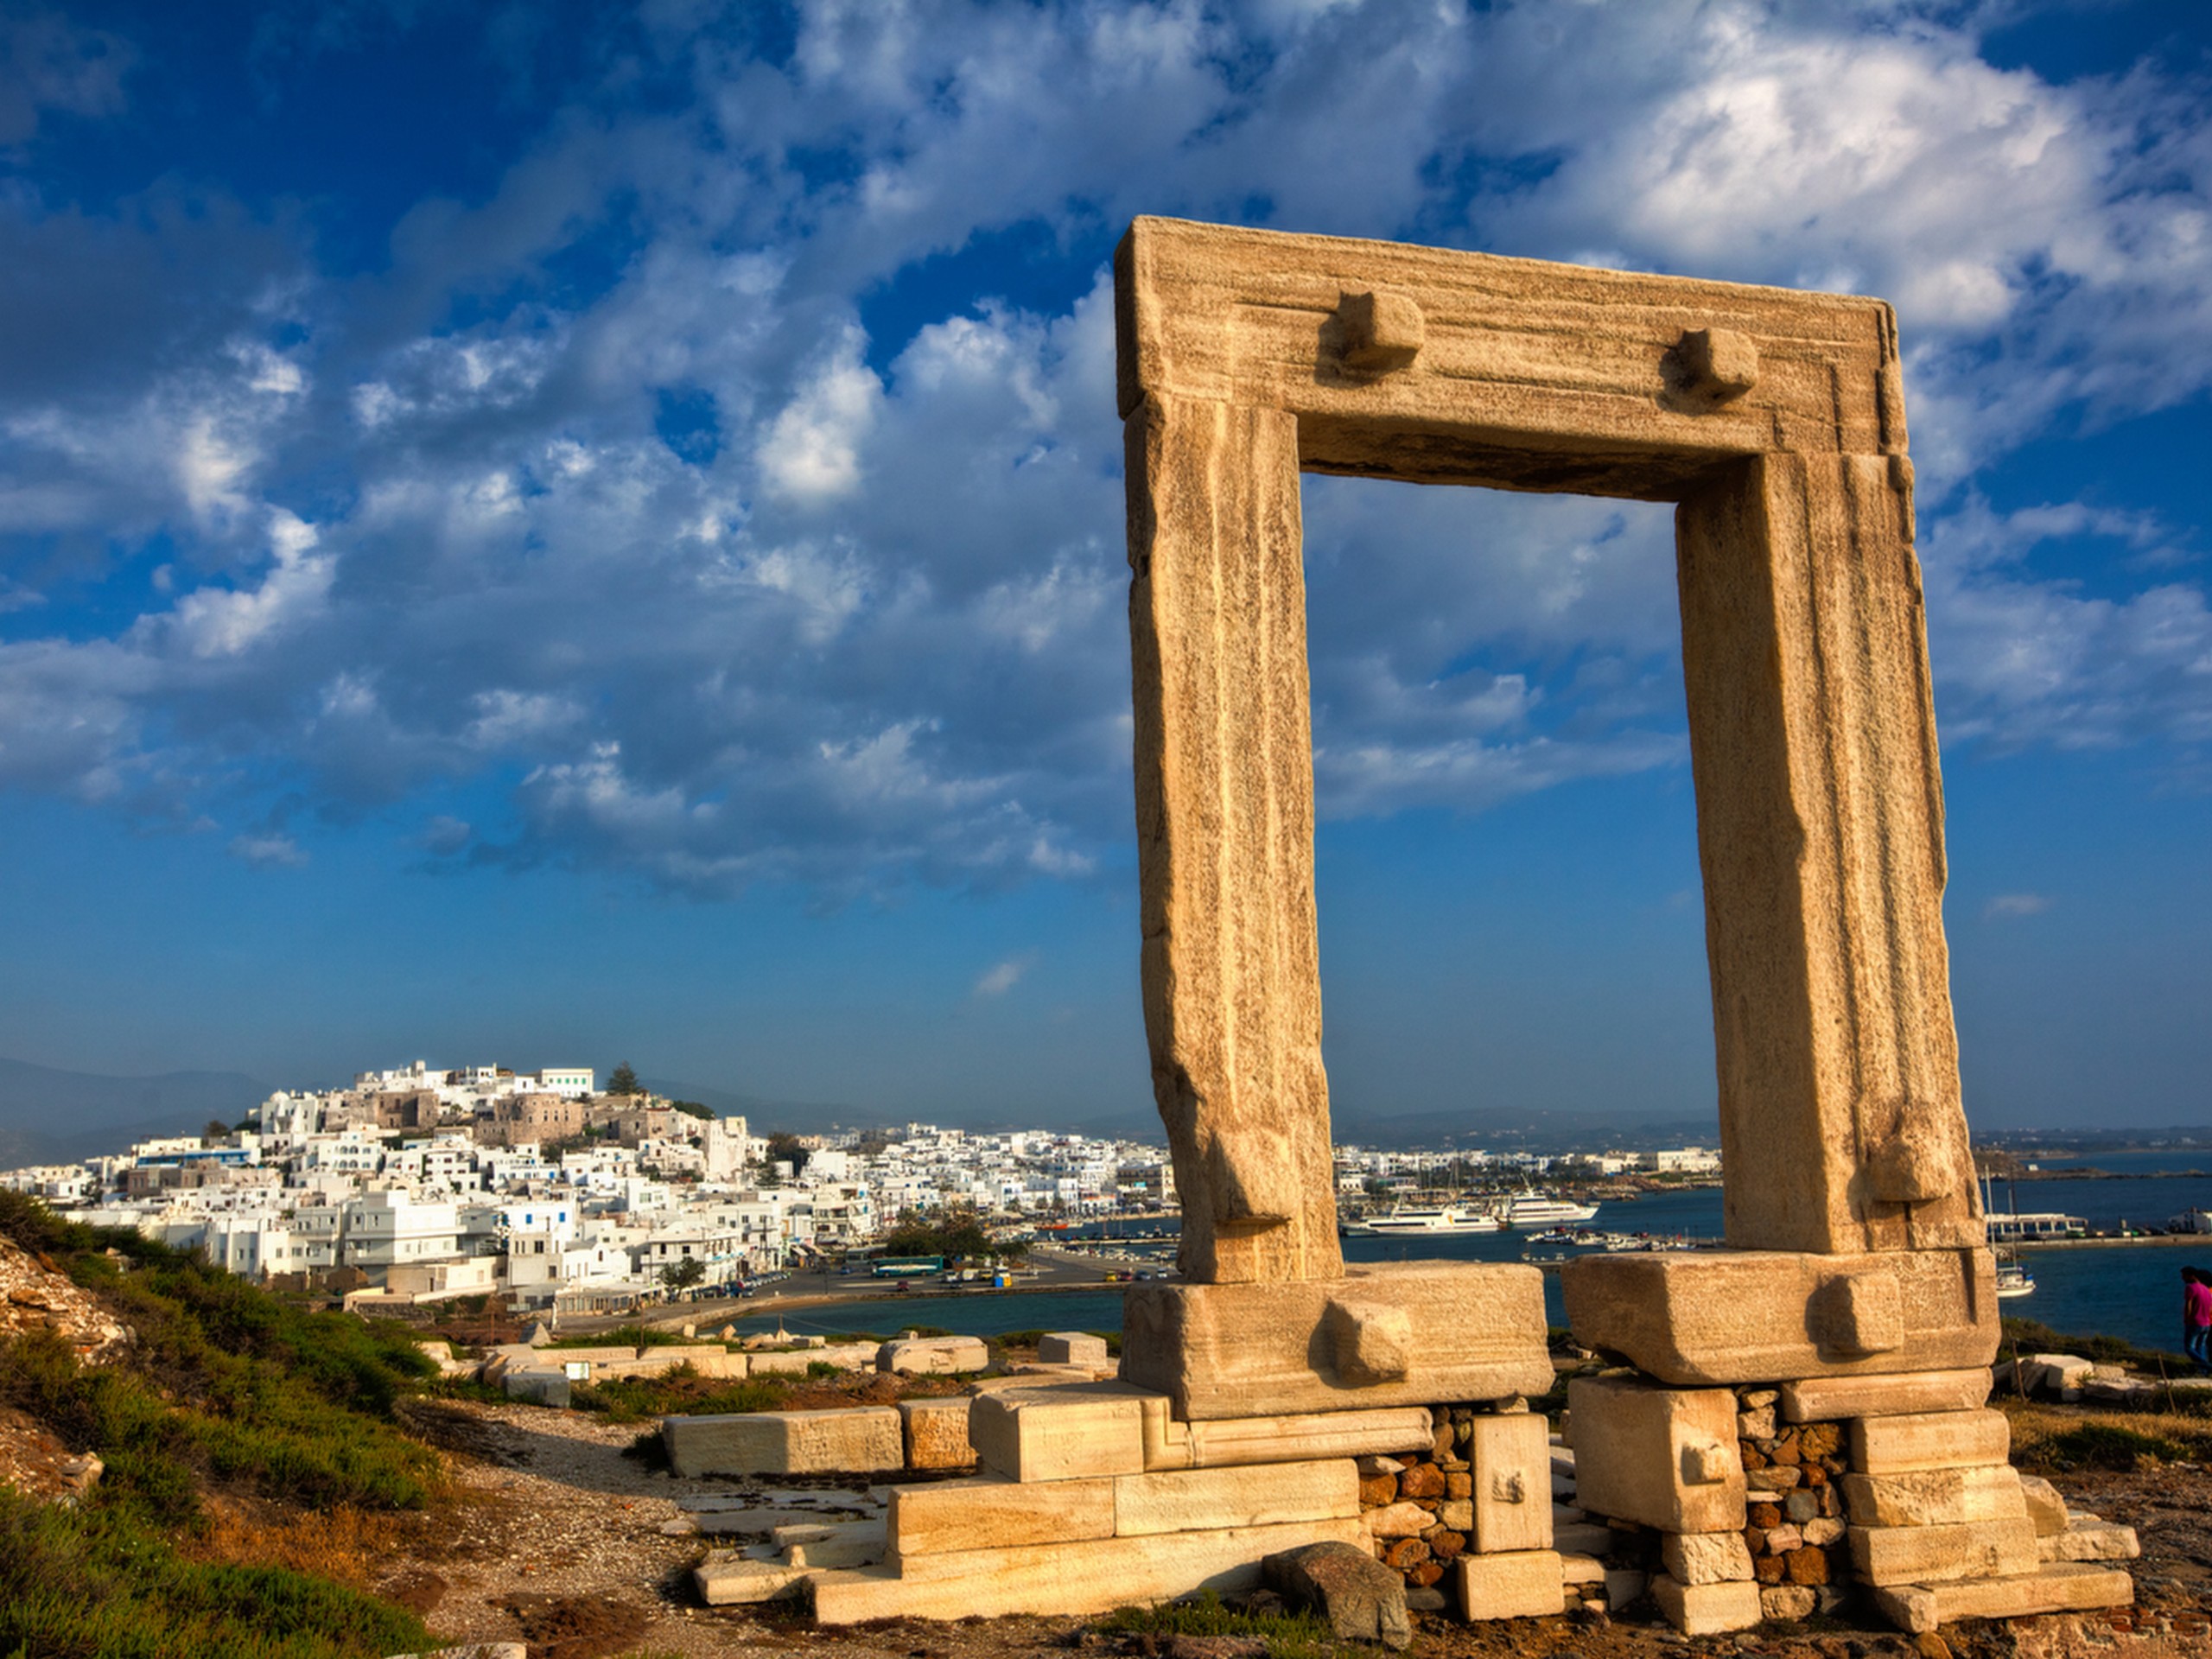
{"x": 2009, "y": 1226}
{"x": 1530, "y": 1208}
{"x": 1445, "y": 1218}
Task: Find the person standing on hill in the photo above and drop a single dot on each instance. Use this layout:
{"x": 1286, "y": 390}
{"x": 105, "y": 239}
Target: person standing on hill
{"x": 2197, "y": 1318}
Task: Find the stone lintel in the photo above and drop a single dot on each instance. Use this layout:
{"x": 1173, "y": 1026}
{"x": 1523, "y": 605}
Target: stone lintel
{"x": 1404, "y": 1335}
{"x": 1198, "y": 1500}
{"x": 1833, "y": 1399}
{"x": 2055, "y": 1589}
{"x": 1071, "y": 1579}
{"x": 1231, "y": 1442}
{"x": 1932, "y": 1554}
{"x": 1764, "y": 1316}
{"x": 1935, "y": 1440}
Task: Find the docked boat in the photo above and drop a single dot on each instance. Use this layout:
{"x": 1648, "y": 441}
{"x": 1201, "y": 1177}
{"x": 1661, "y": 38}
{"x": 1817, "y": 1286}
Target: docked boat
{"x": 2013, "y": 1281}
{"x": 1427, "y": 1220}
{"x": 1530, "y": 1208}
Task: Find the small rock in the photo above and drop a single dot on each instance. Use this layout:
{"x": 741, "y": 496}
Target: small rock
{"x": 1361, "y": 1599}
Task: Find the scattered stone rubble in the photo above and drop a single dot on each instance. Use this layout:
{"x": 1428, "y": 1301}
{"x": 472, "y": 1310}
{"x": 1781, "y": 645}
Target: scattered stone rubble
{"x": 545, "y": 1375}
{"x": 34, "y": 1296}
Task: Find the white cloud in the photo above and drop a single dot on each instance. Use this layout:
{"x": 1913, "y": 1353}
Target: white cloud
{"x": 869, "y": 626}
{"x": 2008, "y": 906}
{"x": 812, "y": 450}
{"x": 224, "y": 622}
{"x": 274, "y": 850}
{"x": 1003, "y": 977}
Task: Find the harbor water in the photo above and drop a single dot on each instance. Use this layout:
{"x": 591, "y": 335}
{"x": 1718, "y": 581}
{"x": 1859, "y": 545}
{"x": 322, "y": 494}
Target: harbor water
{"x": 2126, "y": 1290}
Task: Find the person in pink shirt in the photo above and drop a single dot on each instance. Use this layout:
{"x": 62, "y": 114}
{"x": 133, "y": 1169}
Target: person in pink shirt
{"x": 2197, "y": 1318}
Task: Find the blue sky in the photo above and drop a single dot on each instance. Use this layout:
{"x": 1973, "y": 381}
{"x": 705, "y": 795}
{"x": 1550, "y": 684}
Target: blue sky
{"x": 567, "y": 534}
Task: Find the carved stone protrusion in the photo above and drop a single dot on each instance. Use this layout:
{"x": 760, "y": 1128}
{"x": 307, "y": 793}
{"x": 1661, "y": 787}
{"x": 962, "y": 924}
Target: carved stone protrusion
{"x": 1718, "y": 365}
{"x": 1862, "y": 1314}
{"x": 1707, "y": 1463}
{"x": 1384, "y": 329}
{"x": 1369, "y": 1342}
{"x": 1915, "y": 1163}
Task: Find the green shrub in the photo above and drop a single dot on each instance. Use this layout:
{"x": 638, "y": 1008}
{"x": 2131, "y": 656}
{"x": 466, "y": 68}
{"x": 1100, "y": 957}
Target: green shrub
{"x": 99, "y": 1584}
{"x": 625, "y": 1336}
{"x": 224, "y": 1383}
{"x": 682, "y": 1392}
{"x": 1289, "y": 1636}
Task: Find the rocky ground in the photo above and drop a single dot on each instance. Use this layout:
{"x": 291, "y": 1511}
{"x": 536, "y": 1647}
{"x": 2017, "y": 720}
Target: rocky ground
{"x": 562, "y": 1541}
{"x": 556, "y": 1538}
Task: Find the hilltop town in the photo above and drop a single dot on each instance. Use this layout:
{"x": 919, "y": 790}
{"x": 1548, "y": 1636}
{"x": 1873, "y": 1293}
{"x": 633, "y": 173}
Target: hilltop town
{"x": 554, "y": 1195}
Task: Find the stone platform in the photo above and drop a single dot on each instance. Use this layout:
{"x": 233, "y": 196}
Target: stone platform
{"x": 1405, "y": 1335}
{"x": 1720, "y": 1316}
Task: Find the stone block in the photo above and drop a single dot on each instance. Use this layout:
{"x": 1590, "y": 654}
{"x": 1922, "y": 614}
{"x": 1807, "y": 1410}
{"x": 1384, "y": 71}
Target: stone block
{"x": 1623, "y": 1584}
{"x": 1509, "y": 1460}
{"x": 1831, "y": 1399}
{"x": 2057, "y": 1589}
{"x": 1068, "y": 1579}
{"x": 1576, "y": 1570}
{"x": 732, "y": 1581}
{"x": 1694, "y": 1558}
{"x": 1935, "y": 1440}
{"x": 1936, "y": 1497}
{"x": 537, "y": 1387}
{"x": 1398, "y": 1521}
{"x": 2091, "y": 1540}
{"x": 1296, "y": 1439}
{"x": 1705, "y": 1608}
{"x": 1741, "y": 1316}
{"x": 2045, "y": 1507}
{"x": 1361, "y": 1599}
{"x": 994, "y": 1513}
{"x": 1072, "y": 1348}
{"x": 1989, "y": 1549}
{"x": 936, "y": 1433}
{"x": 1231, "y": 1350}
{"x": 856, "y": 1543}
{"x": 1062, "y": 1433}
{"x": 1789, "y": 1600}
{"x": 862, "y": 1440}
{"x": 2055, "y": 1376}
{"x": 1522, "y": 1584}
{"x": 1583, "y": 1537}
{"x": 933, "y": 1356}
{"x": 1662, "y": 1458}
{"x": 1251, "y": 1496}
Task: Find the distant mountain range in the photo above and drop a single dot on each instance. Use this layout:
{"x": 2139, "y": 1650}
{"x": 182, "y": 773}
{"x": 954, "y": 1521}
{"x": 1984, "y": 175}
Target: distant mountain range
{"x": 1491, "y": 1130}
{"x": 51, "y": 1116}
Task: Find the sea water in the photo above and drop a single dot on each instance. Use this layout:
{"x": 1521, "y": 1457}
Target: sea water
{"x": 2131, "y": 1291}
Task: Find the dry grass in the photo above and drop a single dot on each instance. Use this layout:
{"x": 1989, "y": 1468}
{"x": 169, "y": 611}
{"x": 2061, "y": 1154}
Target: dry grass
{"x": 343, "y": 1543}
{"x": 2050, "y": 1437}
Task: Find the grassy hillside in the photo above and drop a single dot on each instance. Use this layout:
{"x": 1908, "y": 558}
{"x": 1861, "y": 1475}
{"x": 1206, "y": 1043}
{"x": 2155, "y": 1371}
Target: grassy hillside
{"x": 231, "y": 1403}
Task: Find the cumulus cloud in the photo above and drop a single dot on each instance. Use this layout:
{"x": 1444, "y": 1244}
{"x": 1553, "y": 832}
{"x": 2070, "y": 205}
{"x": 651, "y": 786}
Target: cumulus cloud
{"x": 770, "y": 548}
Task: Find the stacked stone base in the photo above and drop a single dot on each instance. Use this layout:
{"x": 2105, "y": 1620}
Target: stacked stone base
{"x": 1775, "y": 1502}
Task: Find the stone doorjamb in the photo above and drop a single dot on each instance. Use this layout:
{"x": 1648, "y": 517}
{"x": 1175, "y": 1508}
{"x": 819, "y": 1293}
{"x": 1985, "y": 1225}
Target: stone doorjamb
{"x": 1774, "y": 421}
